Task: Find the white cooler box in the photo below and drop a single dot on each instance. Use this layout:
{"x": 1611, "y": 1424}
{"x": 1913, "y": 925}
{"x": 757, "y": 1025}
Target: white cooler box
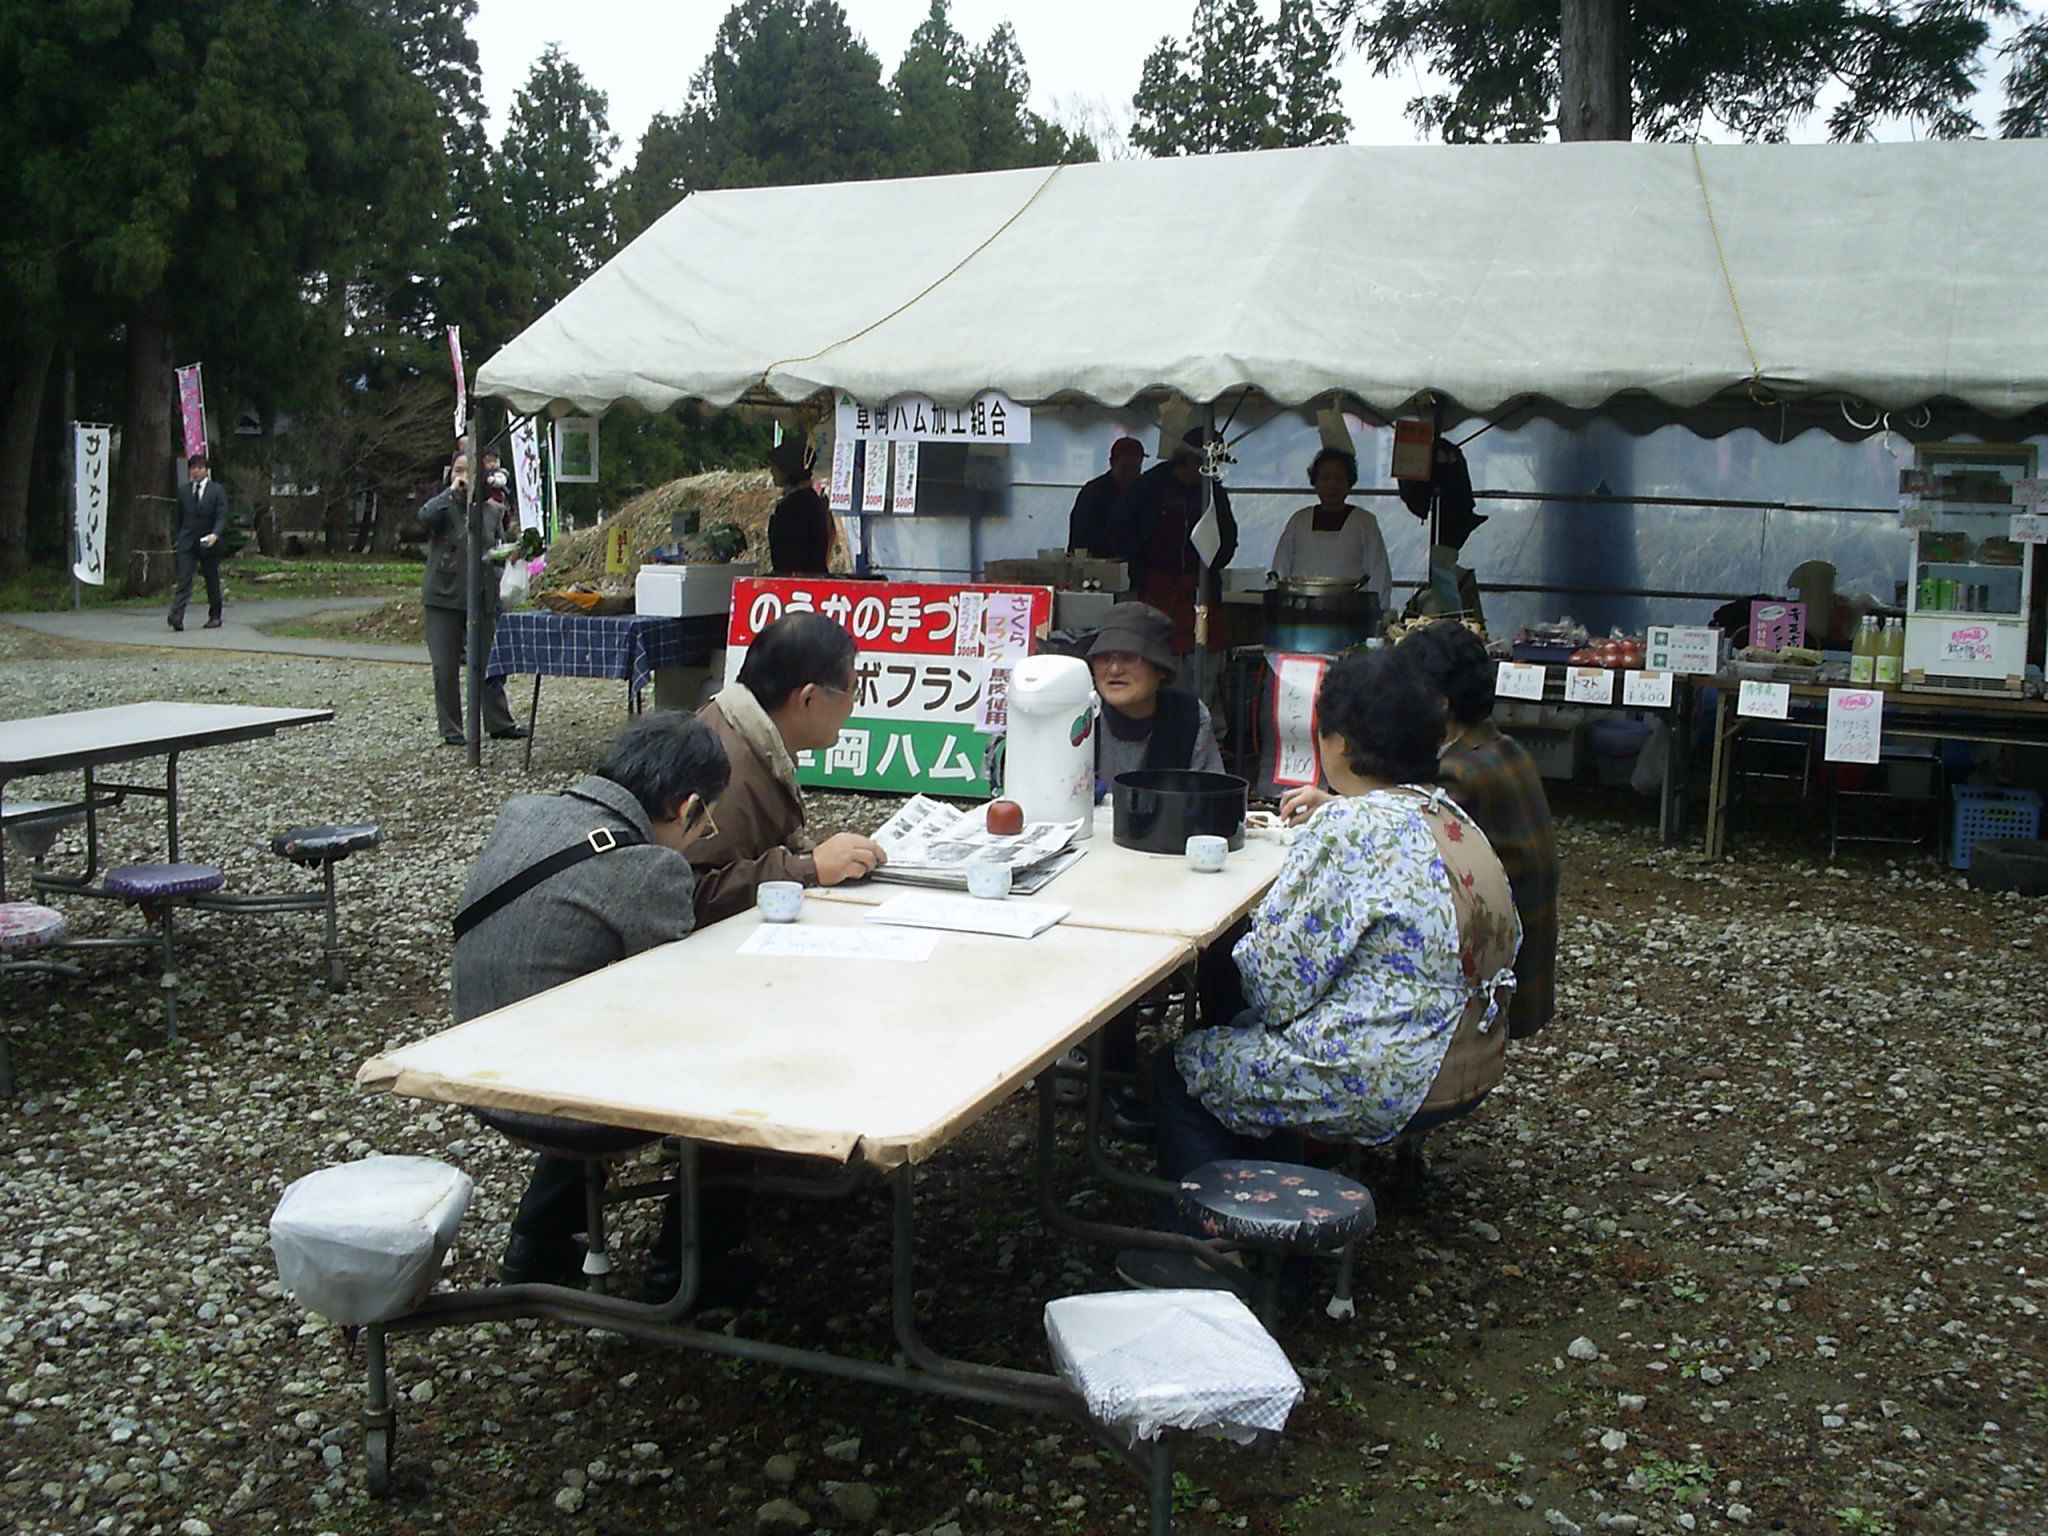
{"x": 687, "y": 591}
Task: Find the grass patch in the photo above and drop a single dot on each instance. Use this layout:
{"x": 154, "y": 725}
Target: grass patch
{"x": 244, "y": 578}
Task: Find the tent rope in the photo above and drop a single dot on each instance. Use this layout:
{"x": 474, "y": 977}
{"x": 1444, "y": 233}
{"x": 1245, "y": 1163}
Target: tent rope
{"x": 1757, "y": 391}
{"x": 946, "y": 276}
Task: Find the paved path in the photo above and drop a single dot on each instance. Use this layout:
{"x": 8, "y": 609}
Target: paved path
{"x": 242, "y": 628}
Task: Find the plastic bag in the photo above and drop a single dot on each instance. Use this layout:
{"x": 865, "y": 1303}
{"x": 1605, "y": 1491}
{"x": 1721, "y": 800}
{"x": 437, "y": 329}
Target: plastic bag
{"x": 514, "y": 585}
{"x": 363, "y": 1242}
{"x": 1150, "y": 1361}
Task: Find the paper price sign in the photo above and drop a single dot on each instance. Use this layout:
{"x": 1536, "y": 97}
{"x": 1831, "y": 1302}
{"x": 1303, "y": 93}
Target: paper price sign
{"x": 1855, "y": 725}
{"x": 1518, "y": 680}
{"x": 1764, "y": 701}
{"x": 1589, "y": 685}
{"x": 1915, "y": 513}
{"x": 1646, "y": 690}
{"x": 2030, "y": 492}
{"x": 2030, "y": 528}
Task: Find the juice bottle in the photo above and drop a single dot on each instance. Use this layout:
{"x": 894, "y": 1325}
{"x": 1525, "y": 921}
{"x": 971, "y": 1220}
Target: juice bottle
{"x": 1863, "y": 653}
{"x": 1891, "y": 658}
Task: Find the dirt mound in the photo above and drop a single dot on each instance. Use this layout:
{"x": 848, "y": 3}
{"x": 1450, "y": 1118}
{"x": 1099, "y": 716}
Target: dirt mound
{"x": 745, "y": 497}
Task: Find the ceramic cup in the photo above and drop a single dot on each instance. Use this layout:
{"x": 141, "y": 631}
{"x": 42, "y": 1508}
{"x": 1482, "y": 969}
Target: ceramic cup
{"x": 779, "y": 900}
{"x": 1206, "y": 853}
{"x": 988, "y": 879}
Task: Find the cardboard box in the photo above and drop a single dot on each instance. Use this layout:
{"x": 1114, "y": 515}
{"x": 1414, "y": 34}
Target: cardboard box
{"x": 687, "y": 591}
{"x": 1688, "y": 650}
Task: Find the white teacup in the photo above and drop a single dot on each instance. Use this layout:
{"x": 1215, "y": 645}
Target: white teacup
{"x": 779, "y": 900}
{"x": 1206, "y": 852}
{"x": 988, "y": 879}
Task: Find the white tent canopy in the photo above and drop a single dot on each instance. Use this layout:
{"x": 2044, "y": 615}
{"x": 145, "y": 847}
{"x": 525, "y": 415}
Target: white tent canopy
{"x": 1888, "y": 273}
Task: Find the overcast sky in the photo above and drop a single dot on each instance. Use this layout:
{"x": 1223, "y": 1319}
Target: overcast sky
{"x": 642, "y": 53}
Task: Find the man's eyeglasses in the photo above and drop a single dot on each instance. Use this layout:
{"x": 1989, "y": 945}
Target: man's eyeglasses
{"x": 706, "y": 824}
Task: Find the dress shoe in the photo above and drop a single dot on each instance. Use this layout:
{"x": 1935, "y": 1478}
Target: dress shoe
{"x": 454, "y": 741}
{"x": 178, "y": 625}
{"x": 511, "y": 733}
{"x": 529, "y": 1261}
{"x": 212, "y": 624}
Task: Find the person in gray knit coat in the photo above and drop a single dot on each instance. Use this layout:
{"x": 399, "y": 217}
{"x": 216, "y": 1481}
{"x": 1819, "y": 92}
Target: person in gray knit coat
{"x": 654, "y": 795}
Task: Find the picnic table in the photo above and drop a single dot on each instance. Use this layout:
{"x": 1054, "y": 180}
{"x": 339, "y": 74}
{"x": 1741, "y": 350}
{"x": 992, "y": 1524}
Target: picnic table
{"x": 92, "y": 739}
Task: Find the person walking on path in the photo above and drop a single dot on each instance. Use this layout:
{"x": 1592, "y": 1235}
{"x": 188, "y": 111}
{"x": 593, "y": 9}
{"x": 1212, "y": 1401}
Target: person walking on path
{"x": 444, "y": 593}
{"x": 202, "y": 519}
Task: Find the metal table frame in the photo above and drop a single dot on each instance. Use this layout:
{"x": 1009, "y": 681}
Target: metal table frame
{"x": 1909, "y": 714}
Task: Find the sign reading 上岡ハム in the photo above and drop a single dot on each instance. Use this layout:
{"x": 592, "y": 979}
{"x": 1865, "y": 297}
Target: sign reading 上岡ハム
{"x": 990, "y": 417}
{"x": 929, "y": 657}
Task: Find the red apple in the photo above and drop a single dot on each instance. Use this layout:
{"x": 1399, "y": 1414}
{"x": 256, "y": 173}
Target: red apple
{"x": 1005, "y": 818}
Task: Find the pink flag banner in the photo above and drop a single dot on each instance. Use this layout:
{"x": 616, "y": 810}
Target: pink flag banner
{"x": 192, "y": 409}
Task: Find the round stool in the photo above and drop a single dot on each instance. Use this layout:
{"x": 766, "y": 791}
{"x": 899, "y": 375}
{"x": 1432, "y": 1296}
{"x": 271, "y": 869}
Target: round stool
{"x": 24, "y": 927}
{"x": 1281, "y": 1208}
{"x": 159, "y": 889}
{"x": 322, "y": 848}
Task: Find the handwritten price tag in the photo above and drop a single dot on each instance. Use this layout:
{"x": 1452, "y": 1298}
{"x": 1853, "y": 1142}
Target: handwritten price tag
{"x": 1646, "y": 690}
{"x": 2030, "y": 528}
{"x": 1589, "y": 685}
{"x": 2030, "y": 492}
{"x": 1764, "y": 701}
{"x": 1519, "y": 680}
{"x": 1855, "y": 725}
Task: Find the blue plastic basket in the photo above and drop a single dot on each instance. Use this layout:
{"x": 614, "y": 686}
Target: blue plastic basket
{"x": 1982, "y": 812}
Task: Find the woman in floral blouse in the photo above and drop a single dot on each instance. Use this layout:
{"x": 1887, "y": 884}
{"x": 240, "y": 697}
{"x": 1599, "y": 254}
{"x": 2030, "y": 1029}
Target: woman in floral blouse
{"x": 1377, "y": 967}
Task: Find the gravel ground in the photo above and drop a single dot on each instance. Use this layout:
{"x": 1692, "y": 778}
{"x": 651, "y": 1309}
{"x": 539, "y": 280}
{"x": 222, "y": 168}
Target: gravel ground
{"x": 1751, "y": 1240}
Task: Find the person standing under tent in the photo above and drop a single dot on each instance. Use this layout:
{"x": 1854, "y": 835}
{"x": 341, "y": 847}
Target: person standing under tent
{"x": 1332, "y": 538}
{"x": 1088, "y": 525}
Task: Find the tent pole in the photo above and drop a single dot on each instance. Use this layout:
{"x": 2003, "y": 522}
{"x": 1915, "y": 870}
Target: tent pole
{"x": 473, "y": 519}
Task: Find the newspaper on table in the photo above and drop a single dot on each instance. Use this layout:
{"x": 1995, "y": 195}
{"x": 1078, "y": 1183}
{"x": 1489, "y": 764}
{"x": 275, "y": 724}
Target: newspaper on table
{"x": 930, "y": 843}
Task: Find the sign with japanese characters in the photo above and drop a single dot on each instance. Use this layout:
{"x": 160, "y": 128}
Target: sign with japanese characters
{"x": 874, "y": 480}
{"x": 990, "y": 417}
{"x": 904, "y": 494}
{"x": 1588, "y": 685}
{"x": 842, "y": 475}
{"x": 1855, "y": 725}
{"x": 526, "y": 473}
{"x": 461, "y": 382}
{"x": 1646, "y": 690}
{"x": 923, "y": 711}
{"x": 1297, "y": 755}
{"x": 192, "y": 409}
{"x": 1682, "y": 648}
{"x": 93, "y": 448}
{"x": 1764, "y": 701}
{"x": 1518, "y": 680}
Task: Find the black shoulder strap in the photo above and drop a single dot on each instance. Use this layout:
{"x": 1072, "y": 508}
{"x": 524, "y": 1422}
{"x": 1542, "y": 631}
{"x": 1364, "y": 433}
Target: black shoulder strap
{"x": 602, "y": 840}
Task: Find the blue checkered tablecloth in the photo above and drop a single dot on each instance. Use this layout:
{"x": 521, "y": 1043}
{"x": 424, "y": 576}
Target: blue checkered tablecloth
{"x": 630, "y": 646}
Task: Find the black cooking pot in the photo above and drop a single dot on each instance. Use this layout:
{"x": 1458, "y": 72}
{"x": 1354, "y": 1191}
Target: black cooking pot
{"x": 1158, "y": 809}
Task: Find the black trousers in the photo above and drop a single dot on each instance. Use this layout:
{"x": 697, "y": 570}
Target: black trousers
{"x": 207, "y": 560}
{"x": 551, "y": 1212}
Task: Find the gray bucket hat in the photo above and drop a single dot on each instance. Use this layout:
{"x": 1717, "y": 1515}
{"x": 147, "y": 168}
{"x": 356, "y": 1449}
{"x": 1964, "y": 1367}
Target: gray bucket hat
{"x": 1140, "y": 629}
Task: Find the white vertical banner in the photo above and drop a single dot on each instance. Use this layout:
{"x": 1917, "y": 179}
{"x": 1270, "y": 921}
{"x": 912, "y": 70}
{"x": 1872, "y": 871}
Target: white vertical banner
{"x": 874, "y": 485}
{"x": 905, "y": 500}
{"x": 92, "y": 450}
{"x": 842, "y": 474}
{"x": 461, "y": 383}
{"x": 526, "y": 473}
{"x": 1296, "y": 682}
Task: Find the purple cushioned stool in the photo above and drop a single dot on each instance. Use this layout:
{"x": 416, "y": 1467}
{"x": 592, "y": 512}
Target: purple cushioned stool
{"x": 159, "y": 889}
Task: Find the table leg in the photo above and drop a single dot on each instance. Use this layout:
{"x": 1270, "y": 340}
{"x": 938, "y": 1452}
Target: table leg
{"x": 92, "y": 830}
{"x": 1717, "y": 782}
{"x": 380, "y": 1424}
{"x": 532, "y": 714}
{"x": 3, "y": 845}
{"x": 171, "y": 802}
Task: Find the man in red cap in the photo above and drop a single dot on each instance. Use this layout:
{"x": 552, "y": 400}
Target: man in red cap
{"x": 1088, "y": 523}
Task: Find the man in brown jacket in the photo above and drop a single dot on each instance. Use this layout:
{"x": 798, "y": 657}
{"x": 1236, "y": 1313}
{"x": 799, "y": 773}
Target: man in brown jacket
{"x": 793, "y": 694}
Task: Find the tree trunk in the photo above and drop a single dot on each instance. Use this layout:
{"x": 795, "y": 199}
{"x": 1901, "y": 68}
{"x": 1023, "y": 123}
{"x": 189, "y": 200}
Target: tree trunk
{"x": 144, "y": 508}
{"x": 17, "y": 453}
{"x": 1593, "y": 98}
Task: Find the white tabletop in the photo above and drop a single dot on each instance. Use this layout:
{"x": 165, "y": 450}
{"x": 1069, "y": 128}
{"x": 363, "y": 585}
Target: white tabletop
{"x": 1131, "y": 892}
{"x": 822, "y": 1058}
{"x": 87, "y": 737}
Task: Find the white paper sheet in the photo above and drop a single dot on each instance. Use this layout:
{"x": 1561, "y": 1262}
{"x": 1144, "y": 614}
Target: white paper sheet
{"x": 1855, "y": 725}
{"x": 1588, "y": 685}
{"x": 817, "y": 942}
{"x": 1649, "y": 690}
{"x": 1007, "y": 919}
{"x": 1764, "y": 701}
{"x": 1519, "y": 680}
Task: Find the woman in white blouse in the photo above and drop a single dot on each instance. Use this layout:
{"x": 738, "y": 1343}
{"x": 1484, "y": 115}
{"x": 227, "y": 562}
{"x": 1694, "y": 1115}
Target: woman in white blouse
{"x": 1334, "y": 538}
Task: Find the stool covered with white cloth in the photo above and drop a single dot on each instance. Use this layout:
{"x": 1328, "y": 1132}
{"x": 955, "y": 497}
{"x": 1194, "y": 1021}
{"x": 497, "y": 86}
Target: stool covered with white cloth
{"x": 363, "y": 1242}
{"x": 1150, "y": 1362}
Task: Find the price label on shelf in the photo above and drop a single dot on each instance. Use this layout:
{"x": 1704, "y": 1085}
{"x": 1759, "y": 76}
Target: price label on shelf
{"x": 1764, "y": 701}
{"x": 1646, "y": 690}
{"x": 1519, "y": 680}
{"x": 2030, "y": 527}
{"x": 2030, "y": 492}
{"x": 1589, "y": 685}
{"x": 1855, "y": 725}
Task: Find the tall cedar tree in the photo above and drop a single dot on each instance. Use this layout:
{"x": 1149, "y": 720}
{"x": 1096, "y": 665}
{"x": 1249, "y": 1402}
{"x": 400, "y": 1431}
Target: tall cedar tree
{"x": 1239, "y": 82}
{"x": 556, "y": 152}
{"x": 1759, "y": 66}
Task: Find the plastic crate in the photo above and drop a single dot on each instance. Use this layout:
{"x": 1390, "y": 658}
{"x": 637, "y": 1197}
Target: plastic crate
{"x": 1554, "y": 749}
{"x": 1982, "y": 812}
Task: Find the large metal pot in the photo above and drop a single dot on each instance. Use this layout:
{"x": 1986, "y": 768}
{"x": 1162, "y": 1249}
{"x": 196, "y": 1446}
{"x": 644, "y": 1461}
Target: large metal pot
{"x": 1156, "y": 810}
{"x": 1319, "y": 615}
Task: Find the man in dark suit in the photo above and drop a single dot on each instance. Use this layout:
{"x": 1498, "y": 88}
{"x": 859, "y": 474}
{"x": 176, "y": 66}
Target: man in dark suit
{"x": 202, "y": 519}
